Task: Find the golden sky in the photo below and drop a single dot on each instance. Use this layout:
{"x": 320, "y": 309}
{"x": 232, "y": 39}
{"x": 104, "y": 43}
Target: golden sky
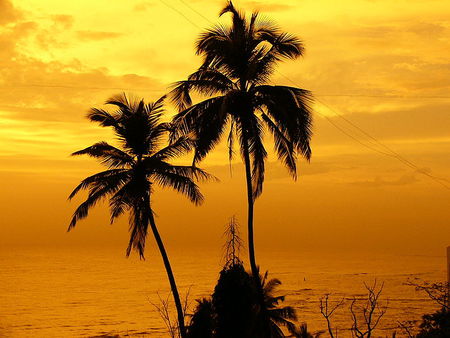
{"x": 381, "y": 64}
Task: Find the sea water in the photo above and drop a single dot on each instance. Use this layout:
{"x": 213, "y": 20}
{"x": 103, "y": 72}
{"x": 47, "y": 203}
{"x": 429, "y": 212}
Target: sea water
{"x": 98, "y": 292}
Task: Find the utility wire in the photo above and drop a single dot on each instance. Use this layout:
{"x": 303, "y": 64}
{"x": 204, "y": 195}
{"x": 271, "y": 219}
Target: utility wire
{"x": 372, "y": 140}
{"x": 195, "y": 11}
{"x": 38, "y": 85}
{"x": 388, "y": 151}
{"x": 44, "y": 85}
{"x": 180, "y": 13}
{"x": 387, "y": 96}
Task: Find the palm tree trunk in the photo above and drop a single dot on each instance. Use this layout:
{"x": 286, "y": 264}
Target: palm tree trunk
{"x": 250, "y": 200}
{"x": 173, "y": 286}
{"x": 251, "y": 246}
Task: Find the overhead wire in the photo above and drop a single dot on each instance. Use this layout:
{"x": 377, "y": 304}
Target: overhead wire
{"x": 373, "y": 142}
{"x": 388, "y": 151}
{"x": 370, "y": 142}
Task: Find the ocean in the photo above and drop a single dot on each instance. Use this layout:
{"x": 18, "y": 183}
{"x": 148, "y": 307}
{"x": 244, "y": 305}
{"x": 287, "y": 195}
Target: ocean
{"x": 99, "y": 292}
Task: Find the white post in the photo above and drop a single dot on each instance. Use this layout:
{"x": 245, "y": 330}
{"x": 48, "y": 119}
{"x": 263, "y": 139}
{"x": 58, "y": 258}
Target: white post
{"x": 448, "y": 276}
{"x": 448, "y": 264}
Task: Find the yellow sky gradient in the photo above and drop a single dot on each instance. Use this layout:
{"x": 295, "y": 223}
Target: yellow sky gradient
{"x": 383, "y": 65}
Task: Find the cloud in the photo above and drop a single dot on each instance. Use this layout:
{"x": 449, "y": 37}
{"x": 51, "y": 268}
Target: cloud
{"x": 397, "y": 120}
{"x": 66, "y": 21}
{"x": 7, "y": 12}
{"x": 97, "y": 35}
{"x": 267, "y": 6}
{"x": 32, "y": 88}
{"x": 274, "y": 170}
{"x": 143, "y": 6}
{"x": 380, "y": 182}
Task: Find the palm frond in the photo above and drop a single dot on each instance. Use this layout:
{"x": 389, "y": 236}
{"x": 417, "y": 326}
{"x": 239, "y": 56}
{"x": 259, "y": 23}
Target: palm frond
{"x": 180, "y": 183}
{"x": 186, "y": 121}
{"x": 180, "y": 147}
{"x": 139, "y": 221}
{"x": 208, "y": 133}
{"x": 105, "y": 118}
{"x": 122, "y": 102}
{"x": 157, "y": 106}
{"x": 206, "y": 121}
{"x": 230, "y": 142}
{"x": 191, "y": 172}
{"x": 290, "y": 108}
{"x": 122, "y": 200}
{"x": 270, "y": 286}
{"x": 283, "y": 146}
{"x": 119, "y": 174}
{"x": 98, "y": 191}
{"x": 258, "y": 155}
{"x": 284, "y": 44}
{"x": 109, "y": 155}
{"x": 205, "y": 81}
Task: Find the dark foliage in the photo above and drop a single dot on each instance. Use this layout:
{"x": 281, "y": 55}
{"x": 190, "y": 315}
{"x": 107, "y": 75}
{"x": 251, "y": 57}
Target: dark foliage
{"x": 202, "y": 324}
{"x": 234, "y": 300}
{"x": 435, "y": 325}
{"x": 235, "y": 310}
{"x": 136, "y": 167}
{"x": 237, "y": 63}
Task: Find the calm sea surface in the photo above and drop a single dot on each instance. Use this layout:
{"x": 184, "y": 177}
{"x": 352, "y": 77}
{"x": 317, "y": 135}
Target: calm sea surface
{"x": 85, "y": 293}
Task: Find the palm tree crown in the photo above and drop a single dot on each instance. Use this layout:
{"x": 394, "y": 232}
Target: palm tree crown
{"x": 237, "y": 64}
{"x": 273, "y": 315}
{"x": 134, "y": 169}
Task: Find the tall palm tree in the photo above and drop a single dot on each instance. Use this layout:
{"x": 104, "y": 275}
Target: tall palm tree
{"x": 237, "y": 63}
{"x": 134, "y": 169}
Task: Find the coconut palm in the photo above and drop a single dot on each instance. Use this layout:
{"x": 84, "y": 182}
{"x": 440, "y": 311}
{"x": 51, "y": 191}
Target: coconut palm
{"x": 237, "y": 64}
{"x": 134, "y": 169}
{"x": 273, "y": 316}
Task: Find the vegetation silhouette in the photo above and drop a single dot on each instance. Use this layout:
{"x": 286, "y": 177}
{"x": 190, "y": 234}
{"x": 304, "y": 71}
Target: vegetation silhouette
{"x": 235, "y": 309}
{"x": 237, "y": 64}
{"x": 202, "y": 321}
{"x": 436, "y": 324}
{"x": 133, "y": 171}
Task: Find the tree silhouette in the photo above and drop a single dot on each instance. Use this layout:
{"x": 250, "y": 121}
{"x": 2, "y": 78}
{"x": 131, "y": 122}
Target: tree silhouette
{"x": 236, "y": 309}
{"x": 202, "y": 323}
{"x": 233, "y": 243}
{"x": 237, "y": 63}
{"x": 272, "y": 316}
{"x": 235, "y": 303}
{"x": 134, "y": 169}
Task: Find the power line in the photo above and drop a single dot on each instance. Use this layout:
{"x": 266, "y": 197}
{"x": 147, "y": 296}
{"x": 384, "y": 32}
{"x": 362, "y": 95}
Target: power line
{"x": 39, "y": 85}
{"x": 43, "y": 85}
{"x": 195, "y": 11}
{"x": 180, "y": 13}
{"x": 390, "y": 152}
{"x": 387, "y": 96}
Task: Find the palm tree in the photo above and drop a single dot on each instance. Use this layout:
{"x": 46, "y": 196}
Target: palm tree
{"x": 272, "y": 316}
{"x": 134, "y": 169}
{"x": 202, "y": 320}
{"x": 237, "y": 63}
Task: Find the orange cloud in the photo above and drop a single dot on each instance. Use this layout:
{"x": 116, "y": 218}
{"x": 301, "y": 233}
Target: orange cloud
{"x": 96, "y": 35}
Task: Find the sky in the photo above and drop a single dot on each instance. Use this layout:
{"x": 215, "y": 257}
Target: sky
{"x": 380, "y": 73}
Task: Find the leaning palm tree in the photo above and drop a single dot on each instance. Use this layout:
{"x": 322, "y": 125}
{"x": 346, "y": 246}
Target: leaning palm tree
{"x": 134, "y": 170}
{"x": 237, "y": 64}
